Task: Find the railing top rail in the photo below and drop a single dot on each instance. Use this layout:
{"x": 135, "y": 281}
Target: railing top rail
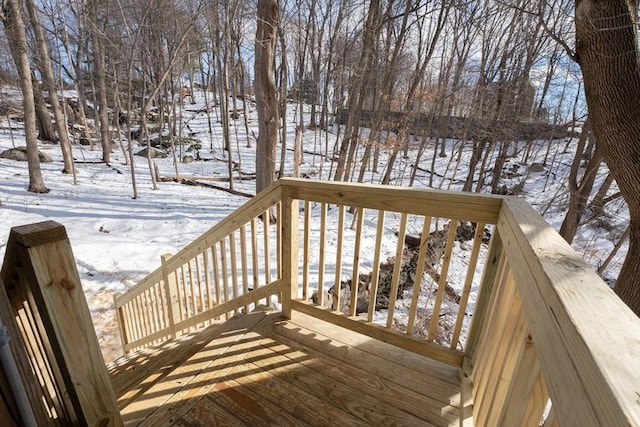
{"x": 587, "y": 339}
{"x": 445, "y": 204}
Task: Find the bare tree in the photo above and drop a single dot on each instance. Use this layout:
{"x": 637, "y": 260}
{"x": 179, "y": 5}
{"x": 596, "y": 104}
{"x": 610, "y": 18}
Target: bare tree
{"x": 14, "y": 26}
{"x": 46, "y": 70}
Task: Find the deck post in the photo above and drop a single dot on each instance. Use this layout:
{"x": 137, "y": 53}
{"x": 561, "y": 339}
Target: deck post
{"x": 289, "y": 232}
{"x": 41, "y": 277}
{"x": 171, "y": 293}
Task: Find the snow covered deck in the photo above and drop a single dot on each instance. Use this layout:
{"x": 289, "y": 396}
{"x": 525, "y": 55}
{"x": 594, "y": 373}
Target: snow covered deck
{"x": 261, "y": 369}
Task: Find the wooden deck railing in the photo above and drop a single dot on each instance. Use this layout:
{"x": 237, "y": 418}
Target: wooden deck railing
{"x": 551, "y": 329}
{"x": 51, "y": 336}
{"x": 536, "y": 324}
{"x": 231, "y": 267}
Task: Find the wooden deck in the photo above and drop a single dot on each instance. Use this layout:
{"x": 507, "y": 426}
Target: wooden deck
{"x": 258, "y": 369}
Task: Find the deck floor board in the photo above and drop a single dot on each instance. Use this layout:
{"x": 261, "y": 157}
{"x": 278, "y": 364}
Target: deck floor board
{"x": 259, "y": 369}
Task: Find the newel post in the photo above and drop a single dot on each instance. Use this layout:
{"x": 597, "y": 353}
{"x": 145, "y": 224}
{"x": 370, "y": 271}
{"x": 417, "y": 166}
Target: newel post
{"x": 46, "y": 297}
{"x": 289, "y": 248}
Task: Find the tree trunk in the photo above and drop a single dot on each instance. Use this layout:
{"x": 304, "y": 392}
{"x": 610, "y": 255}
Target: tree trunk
{"x": 607, "y": 51}
{"x": 14, "y": 27}
{"x": 43, "y": 122}
{"x": 266, "y": 93}
{"x": 101, "y": 86}
{"x": 46, "y": 70}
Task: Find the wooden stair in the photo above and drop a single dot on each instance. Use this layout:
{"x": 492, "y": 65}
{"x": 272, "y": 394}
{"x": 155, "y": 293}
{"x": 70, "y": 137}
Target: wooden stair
{"x": 258, "y": 369}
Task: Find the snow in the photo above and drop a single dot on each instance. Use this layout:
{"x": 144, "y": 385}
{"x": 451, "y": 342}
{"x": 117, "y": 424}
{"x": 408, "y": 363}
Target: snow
{"x": 117, "y": 240}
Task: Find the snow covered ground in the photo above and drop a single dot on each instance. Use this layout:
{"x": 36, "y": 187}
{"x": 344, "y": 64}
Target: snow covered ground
{"x": 117, "y": 240}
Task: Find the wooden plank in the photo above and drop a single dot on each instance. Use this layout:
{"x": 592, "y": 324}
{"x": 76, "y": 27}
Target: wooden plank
{"x": 307, "y": 407}
{"x": 569, "y": 309}
{"x": 408, "y": 370}
{"x": 346, "y": 398}
{"x": 416, "y": 345}
{"x": 445, "y": 204}
{"x": 248, "y": 406}
{"x": 182, "y": 389}
{"x": 137, "y": 368}
{"x": 420, "y": 405}
{"x": 205, "y": 414}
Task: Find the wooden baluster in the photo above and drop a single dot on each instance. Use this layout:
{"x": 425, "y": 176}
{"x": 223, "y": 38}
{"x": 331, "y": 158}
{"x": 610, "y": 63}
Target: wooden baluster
{"x": 466, "y": 290}
{"x": 225, "y": 273}
{"x": 422, "y": 256}
{"x": 397, "y": 266}
{"x": 442, "y": 283}
{"x": 199, "y": 285}
{"x": 289, "y": 232}
{"x": 321, "y": 246}
{"x": 355, "y": 275}
{"x": 234, "y": 267}
{"x": 337, "y": 288}
{"x": 216, "y": 273}
{"x": 254, "y": 254}
{"x": 243, "y": 257}
{"x": 306, "y": 249}
{"x": 376, "y": 267}
{"x": 267, "y": 253}
{"x": 171, "y": 294}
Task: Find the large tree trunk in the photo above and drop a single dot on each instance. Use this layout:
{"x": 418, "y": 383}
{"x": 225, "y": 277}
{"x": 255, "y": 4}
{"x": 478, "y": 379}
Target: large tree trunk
{"x": 266, "y": 93}
{"x": 14, "y": 27}
{"x": 607, "y": 51}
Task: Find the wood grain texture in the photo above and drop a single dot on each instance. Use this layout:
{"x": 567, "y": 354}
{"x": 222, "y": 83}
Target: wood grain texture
{"x": 590, "y": 361}
{"x": 38, "y": 234}
{"x": 260, "y": 369}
